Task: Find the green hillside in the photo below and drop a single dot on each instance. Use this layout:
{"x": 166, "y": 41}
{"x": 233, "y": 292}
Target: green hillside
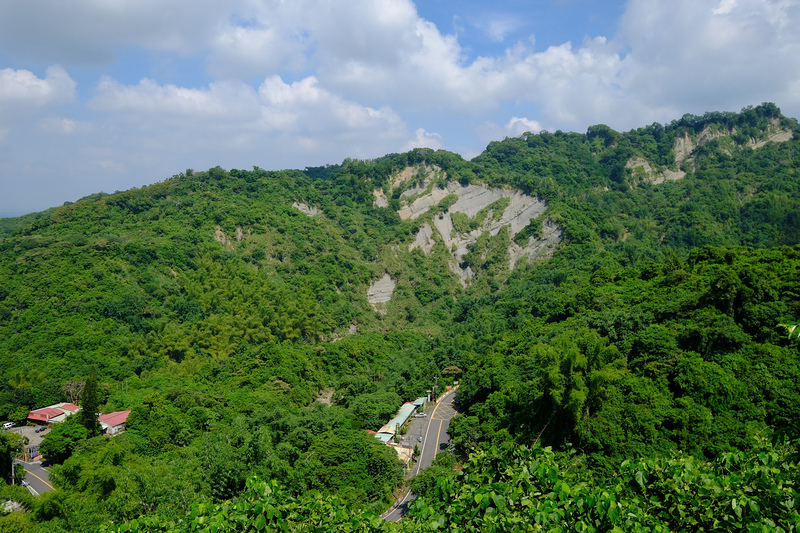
{"x": 612, "y": 302}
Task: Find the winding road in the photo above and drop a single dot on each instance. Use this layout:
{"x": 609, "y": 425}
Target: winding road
{"x": 436, "y": 440}
{"x": 36, "y": 477}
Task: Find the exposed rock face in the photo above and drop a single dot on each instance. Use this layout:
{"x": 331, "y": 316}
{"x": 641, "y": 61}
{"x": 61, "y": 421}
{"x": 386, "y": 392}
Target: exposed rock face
{"x": 226, "y": 241}
{"x": 424, "y": 240}
{"x": 380, "y": 198}
{"x": 708, "y": 135}
{"x": 380, "y": 293}
{"x": 310, "y": 211}
{"x": 685, "y": 148}
{"x": 537, "y": 248}
{"x": 652, "y": 175}
{"x": 416, "y": 172}
{"x": 471, "y": 200}
{"x": 220, "y": 237}
{"x": 777, "y": 137}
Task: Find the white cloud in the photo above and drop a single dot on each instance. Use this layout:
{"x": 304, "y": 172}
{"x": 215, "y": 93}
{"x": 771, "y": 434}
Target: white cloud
{"x": 689, "y": 56}
{"x": 25, "y": 98}
{"x": 725, "y": 6}
{"x": 497, "y": 27}
{"x": 519, "y": 125}
{"x": 224, "y": 100}
{"x": 230, "y": 123}
{"x": 516, "y": 126}
{"x": 305, "y": 106}
{"x": 267, "y": 46}
{"x": 61, "y": 125}
{"x": 425, "y": 139}
{"x": 23, "y": 87}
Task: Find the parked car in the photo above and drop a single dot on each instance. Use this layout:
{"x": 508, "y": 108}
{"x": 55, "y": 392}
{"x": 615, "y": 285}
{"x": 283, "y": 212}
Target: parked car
{"x": 40, "y": 429}
{"x": 8, "y": 425}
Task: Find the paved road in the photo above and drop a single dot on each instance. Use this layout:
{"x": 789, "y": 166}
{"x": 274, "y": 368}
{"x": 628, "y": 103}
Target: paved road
{"x": 436, "y": 440}
{"x": 37, "y": 477}
{"x": 437, "y": 437}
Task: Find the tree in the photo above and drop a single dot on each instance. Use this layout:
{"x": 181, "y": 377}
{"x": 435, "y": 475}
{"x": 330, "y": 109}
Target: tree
{"x": 6, "y": 457}
{"x": 88, "y": 415}
{"x": 59, "y": 444}
{"x": 72, "y": 390}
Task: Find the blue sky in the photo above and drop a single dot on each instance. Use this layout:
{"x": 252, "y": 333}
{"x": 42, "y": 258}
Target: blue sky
{"x": 105, "y": 96}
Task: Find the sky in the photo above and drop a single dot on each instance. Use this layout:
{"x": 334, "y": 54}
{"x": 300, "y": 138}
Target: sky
{"x": 108, "y": 95}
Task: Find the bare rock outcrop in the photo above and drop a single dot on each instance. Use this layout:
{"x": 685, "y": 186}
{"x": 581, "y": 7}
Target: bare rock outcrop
{"x": 227, "y": 241}
{"x": 380, "y": 198}
{"x": 686, "y": 146}
{"x": 303, "y": 208}
{"x": 380, "y": 293}
{"x": 683, "y": 148}
{"x": 778, "y": 136}
{"x": 537, "y": 248}
{"x": 472, "y": 200}
{"x": 424, "y": 239}
{"x": 654, "y": 175}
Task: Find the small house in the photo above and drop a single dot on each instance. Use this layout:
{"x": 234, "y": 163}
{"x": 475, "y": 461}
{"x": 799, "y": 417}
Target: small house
{"x": 113, "y": 423}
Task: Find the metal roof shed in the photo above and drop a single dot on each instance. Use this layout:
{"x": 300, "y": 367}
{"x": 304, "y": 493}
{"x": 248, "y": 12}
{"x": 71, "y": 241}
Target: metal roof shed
{"x": 384, "y": 437}
{"x": 400, "y": 418}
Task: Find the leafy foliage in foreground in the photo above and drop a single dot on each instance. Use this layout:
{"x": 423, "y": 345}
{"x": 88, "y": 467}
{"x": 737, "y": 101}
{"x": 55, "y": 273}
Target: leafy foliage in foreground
{"x": 523, "y": 489}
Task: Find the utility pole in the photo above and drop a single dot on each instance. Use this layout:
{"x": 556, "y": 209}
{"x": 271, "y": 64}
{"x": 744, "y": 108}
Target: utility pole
{"x": 435, "y": 386}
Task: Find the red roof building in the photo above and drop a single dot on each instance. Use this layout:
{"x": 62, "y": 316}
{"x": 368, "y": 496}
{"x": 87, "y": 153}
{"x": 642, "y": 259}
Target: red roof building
{"x": 114, "y": 423}
{"x": 53, "y": 413}
{"x": 46, "y": 415}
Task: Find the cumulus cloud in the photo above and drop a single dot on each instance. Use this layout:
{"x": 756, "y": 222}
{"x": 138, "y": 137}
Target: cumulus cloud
{"x": 291, "y": 124}
{"x": 519, "y": 125}
{"x": 516, "y": 126}
{"x": 694, "y": 56}
{"x": 60, "y": 125}
{"x": 25, "y": 98}
{"x": 225, "y": 100}
{"x": 425, "y": 139}
{"x": 240, "y": 51}
{"x": 276, "y": 105}
{"x": 666, "y": 56}
{"x": 23, "y": 87}
{"x": 304, "y": 105}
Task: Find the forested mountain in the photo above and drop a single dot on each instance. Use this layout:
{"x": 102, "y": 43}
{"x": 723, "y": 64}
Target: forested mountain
{"x": 612, "y": 301}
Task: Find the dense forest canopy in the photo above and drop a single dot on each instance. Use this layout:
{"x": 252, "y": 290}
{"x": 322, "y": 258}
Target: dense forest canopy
{"x": 642, "y": 344}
